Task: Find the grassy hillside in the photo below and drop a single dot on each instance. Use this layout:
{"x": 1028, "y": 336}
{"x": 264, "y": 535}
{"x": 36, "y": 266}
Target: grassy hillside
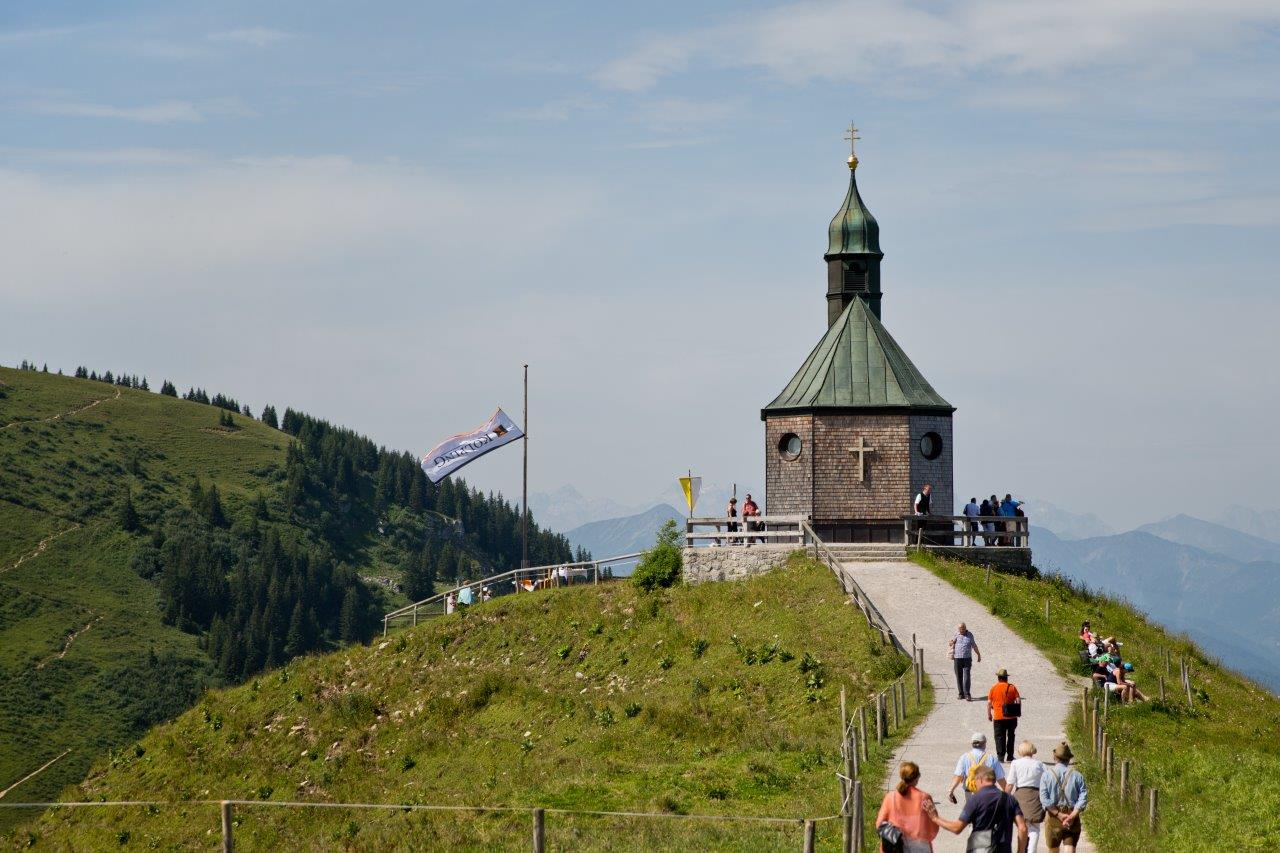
{"x": 1215, "y": 763}
{"x": 713, "y": 699}
{"x": 63, "y": 473}
{"x": 242, "y": 549}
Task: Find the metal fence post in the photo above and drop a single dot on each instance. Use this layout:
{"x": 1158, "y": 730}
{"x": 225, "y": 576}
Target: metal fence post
{"x": 228, "y": 843}
{"x": 539, "y": 831}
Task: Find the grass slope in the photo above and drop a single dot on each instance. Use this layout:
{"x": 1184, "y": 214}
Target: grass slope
{"x": 602, "y": 698}
{"x": 68, "y": 448}
{"x": 1215, "y": 764}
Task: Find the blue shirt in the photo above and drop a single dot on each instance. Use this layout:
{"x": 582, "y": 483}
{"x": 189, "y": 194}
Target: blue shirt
{"x": 1076, "y": 796}
{"x": 964, "y": 646}
{"x": 974, "y": 756}
{"x": 465, "y": 595}
{"x": 993, "y": 809}
{"x": 1009, "y": 508}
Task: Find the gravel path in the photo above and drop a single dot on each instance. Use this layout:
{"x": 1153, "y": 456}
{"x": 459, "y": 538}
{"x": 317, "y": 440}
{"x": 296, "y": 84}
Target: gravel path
{"x": 914, "y": 601}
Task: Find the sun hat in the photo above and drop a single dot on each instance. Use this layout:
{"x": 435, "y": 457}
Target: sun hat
{"x": 1063, "y": 752}
{"x": 1002, "y": 673}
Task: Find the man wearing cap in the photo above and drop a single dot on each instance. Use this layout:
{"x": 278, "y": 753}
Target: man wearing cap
{"x": 976, "y": 755}
{"x": 1004, "y": 706}
{"x": 1064, "y": 797}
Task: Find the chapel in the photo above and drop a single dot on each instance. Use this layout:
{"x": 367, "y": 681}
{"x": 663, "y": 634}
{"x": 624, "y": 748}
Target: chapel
{"x": 858, "y": 430}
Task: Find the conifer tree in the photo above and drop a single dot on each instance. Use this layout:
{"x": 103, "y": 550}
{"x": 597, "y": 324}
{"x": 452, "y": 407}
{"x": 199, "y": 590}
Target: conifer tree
{"x": 349, "y": 618}
{"x": 167, "y": 388}
{"x": 213, "y": 504}
{"x": 260, "y": 510}
{"x": 269, "y": 417}
{"x": 144, "y": 386}
{"x": 127, "y": 515}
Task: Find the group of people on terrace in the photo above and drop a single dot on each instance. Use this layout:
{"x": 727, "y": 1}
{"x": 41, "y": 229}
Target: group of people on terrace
{"x": 1110, "y": 670}
{"x": 983, "y": 518}
{"x": 750, "y": 511}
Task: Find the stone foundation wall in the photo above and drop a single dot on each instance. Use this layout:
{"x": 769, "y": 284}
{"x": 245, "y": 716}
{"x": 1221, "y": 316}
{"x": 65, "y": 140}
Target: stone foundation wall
{"x": 734, "y": 562}
{"x": 1011, "y": 561}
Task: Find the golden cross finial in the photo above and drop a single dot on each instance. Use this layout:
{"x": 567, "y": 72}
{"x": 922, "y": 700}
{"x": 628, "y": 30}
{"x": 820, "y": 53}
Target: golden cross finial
{"x": 852, "y": 135}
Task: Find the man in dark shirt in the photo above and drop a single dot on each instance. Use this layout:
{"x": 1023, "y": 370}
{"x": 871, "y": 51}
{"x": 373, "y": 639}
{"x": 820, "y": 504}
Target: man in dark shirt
{"x": 990, "y": 810}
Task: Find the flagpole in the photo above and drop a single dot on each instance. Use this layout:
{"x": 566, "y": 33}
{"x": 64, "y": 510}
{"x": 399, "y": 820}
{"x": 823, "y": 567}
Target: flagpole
{"x": 524, "y": 497}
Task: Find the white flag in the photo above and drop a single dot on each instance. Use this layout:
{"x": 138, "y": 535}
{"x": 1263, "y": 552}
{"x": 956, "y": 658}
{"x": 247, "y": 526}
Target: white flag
{"x": 452, "y": 453}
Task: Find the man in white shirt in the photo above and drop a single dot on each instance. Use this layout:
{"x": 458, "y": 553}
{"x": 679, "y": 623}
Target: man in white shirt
{"x": 922, "y": 500}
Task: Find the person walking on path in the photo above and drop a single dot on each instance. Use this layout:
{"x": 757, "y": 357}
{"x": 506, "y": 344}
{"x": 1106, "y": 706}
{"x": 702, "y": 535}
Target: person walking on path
{"x": 971, "y": 761}
{"x": 1064, "y": 796}
{"x": 993, "y": 814}
{"x": 1004, "y": 706}
{"x": 907, "y": 808}
{"x": 961, "y": 650}
{"x": 1024, "y": 781}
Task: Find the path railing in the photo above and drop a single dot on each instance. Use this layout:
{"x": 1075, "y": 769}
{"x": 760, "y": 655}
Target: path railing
{"x": 822, "y": 552}
{"x": 752, "y": 530}
{"x": 961, "y": 531}
{"x": 509, "y": 583}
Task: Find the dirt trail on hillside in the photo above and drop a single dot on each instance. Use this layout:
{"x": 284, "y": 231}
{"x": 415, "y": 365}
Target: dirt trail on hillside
{"x": 63, "y": 414}
{"x": 71, "y": 638}
{"x": 916, "y": 602}
{"x": 39, "y": 549}
{"x": 36, "y": 772}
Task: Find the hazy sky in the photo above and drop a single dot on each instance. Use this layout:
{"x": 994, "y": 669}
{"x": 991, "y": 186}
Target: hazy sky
{"x": 377, "y": 212}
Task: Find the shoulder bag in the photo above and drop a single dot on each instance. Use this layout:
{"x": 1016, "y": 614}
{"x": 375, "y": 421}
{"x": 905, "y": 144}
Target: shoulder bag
{"x": 890, "y": 837}
{"x": 1011, "y": 709}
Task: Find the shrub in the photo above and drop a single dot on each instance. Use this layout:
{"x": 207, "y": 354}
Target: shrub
{"x": 660, "y": 566}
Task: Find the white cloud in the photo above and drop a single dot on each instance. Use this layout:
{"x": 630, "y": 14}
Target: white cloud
{"x": 106, "y": 157}
{"x": 251, "y": 36}
{"x": 162, "y": 112}
{"x": 860, "y": 39}
{"x": 234, "y": 224}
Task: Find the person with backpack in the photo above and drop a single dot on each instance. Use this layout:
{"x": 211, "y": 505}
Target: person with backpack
{"x": 1004, "y": 707}
{"x": 906, "y": 810}
{"x": 993, "y": 814}
{"x": 967, "y": 767}
{"x": 1064, "y": 796}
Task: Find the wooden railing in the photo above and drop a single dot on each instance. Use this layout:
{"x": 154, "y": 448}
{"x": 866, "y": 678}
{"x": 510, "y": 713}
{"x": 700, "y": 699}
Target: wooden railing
{"x": 509, "y": 583}
{"x": 961, "y": 531}
{"x": 752, "y": 530}
{"x": 822, "y": 552}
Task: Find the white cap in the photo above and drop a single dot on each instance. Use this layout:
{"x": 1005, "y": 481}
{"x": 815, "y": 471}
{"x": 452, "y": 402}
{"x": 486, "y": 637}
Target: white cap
{"x": 978, "y": 737}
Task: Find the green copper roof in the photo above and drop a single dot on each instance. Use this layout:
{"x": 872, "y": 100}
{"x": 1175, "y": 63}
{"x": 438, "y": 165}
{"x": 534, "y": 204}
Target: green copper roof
{"x": 853, "y": 230}
{"x": 857, "y": 364}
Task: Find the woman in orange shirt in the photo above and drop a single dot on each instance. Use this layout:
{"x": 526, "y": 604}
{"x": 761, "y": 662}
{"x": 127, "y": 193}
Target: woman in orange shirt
{"x": 907, "y": 809}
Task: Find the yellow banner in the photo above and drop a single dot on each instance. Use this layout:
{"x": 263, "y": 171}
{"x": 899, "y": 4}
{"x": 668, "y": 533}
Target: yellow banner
{"x": 691, "y": 486}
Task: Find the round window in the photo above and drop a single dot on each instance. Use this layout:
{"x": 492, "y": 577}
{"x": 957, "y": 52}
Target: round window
{"x": 930, "y": 445}
{"x": 790, "y": 445}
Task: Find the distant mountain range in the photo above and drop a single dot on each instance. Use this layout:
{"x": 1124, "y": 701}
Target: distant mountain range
{"x": 1220, "y": 586}
{"x": 626, "y": 535}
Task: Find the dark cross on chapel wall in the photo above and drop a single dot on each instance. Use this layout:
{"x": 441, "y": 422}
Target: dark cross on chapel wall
{"x": 862, "y": 449}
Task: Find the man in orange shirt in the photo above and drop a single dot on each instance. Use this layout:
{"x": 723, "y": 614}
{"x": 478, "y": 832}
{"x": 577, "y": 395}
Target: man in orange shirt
{"x": 1004, "y": 706}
